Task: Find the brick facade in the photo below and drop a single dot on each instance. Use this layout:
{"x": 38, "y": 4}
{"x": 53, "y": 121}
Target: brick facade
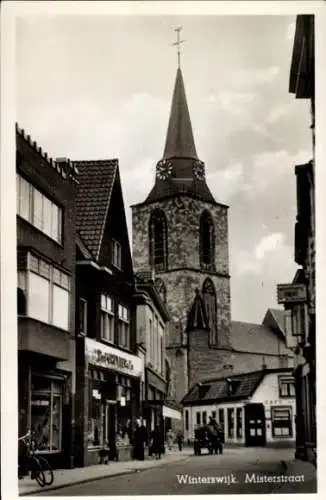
{"x": 183, "y": 274}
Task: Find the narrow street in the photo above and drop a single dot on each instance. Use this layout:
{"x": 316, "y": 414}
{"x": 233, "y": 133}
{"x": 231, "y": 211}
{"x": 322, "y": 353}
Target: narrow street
{"x": 233, "y": 472}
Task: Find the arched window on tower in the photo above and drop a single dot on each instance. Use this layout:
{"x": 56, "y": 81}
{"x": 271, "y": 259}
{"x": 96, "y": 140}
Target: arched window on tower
{"x": 161, "y": 288}
{"x": 207, "y": 242}
{"x": 209, "y": 296}
{"x": 158, "y": 240}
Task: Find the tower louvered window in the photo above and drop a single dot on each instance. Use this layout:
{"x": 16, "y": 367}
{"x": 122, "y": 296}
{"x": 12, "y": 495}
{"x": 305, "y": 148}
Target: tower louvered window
{"x": 158, "y": 240}
{"x": 209, "y": 296}
{"x": 207, "y": 242}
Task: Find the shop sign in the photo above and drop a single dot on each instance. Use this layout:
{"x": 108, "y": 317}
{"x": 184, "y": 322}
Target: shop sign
{"x": 291, "y": 293}
{"x": 109, "y": 357}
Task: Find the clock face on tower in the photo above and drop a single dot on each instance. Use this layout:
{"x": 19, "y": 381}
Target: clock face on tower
{"x": 198, "y": 170}
{"x": 164, "y": 169}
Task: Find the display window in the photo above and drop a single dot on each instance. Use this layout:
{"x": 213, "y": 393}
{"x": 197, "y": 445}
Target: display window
{"x": 46, "y": 413}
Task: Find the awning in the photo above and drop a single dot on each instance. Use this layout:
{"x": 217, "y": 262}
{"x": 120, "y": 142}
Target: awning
{"x": 170, "y": 413}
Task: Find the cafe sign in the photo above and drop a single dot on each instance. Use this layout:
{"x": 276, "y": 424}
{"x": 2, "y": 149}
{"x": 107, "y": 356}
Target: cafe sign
{"x": 105, "y": 356}
{"x": 291, "y": 293}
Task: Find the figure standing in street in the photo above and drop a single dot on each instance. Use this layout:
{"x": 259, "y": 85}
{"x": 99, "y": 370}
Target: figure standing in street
{"x": 157, "y": 443}
{"x": 180, "y": 440}
{"x": 140, "y": 439}
{"x": 169, "y": 439}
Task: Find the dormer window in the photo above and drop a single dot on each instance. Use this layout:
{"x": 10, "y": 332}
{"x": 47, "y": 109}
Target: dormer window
{"x": 116, "y": 254}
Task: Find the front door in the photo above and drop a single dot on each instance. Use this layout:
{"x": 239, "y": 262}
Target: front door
{"x": 255, "y": 428}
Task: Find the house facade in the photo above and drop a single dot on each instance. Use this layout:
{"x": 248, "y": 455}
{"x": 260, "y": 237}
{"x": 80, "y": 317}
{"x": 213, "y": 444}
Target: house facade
{"x": 159, "y": 406}
{"x": 300, "y": 306}
{"x": 46, "y": 298}
{"x": 109, "y": 366}
{"x": 253, "y": 409}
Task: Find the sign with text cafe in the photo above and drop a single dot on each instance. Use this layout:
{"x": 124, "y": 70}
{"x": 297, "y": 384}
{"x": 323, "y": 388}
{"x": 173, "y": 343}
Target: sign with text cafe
{"x": 105, "y": 356}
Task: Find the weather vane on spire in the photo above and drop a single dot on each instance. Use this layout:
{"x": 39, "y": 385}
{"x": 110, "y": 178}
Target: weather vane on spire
{"x": 178, "y": 42}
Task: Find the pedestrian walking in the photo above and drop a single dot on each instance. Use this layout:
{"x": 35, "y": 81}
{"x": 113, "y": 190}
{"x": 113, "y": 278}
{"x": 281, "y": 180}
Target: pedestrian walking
{"x": 140, "y": 439}
{"x": 169, "y": 439}
{"x": 157, "y": 443}
{"x": 180, "y": 440}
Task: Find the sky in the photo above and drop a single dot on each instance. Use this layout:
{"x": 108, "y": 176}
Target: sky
{"x": 96, "y": 87}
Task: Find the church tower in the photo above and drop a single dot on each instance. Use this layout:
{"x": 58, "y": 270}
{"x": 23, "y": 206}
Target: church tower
{"x": 181, "y": 233}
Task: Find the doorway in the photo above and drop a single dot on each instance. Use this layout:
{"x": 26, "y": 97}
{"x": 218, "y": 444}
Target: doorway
{"x": 255, "y": 424}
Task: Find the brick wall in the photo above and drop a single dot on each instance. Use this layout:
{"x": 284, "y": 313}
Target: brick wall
{"x": 209, "y": 363}
{"x": 184, "y": 274}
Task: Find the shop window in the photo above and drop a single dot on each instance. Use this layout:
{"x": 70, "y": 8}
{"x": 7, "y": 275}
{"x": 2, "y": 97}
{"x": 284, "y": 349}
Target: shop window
{"x": 82, "y": 316}
{"x": 107, "y": 318}
{"x": 209, "y": 296}
{"x": 230, "y": 422}
{"x": 286, "y": 387}
{"x": 38, "y": 210}
{"x": 198, "y": 417}
{"x": 239, "y": 422}
{"x": 116, "y": 254}
{"x": 158, "y": 240}
{"x": 123, "y": 326}
{"x": 281, "y": 421}
{"x": 204, "y": 418}
{"x": 187, "y": 420}
{"x": 46, "y": 413}
{"x": 97, "y": 418}
{"x": 47, "y": 292}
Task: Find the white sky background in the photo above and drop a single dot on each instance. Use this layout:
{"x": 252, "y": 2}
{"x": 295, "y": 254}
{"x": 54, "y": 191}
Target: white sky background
{"x": 101, "y": 87}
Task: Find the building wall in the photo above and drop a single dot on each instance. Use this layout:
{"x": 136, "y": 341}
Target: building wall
{"x": 205, "y": 362}
{"x": 36, "y": 336}
{"x": 184, "y": 274}
{"x": 268, "y": 394}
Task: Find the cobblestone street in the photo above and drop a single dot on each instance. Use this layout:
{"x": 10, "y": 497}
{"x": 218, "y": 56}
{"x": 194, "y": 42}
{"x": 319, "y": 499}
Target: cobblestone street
{"x": 238, "y": 470}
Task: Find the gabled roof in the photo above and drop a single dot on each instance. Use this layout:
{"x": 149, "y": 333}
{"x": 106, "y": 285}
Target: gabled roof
{"x": 235, "y": 387}
{"x": 251, "y": 337}
{"x": 179, "y": 139}
{"x": 274, "y": 319}
{"x": 96, "y": 180}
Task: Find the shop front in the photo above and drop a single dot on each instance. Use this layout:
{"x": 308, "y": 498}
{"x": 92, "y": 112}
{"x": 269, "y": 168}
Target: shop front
{"x": 45, "y": 400}
{"x": 109, "y": 392}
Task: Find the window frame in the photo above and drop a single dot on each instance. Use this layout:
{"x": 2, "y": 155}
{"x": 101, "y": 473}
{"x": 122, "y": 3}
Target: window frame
{"x": 46, "y": 270}
{"x": 277, "y": 423}
{"x": 230, "y": 418}
{"x": 33, "y": 192}
{"x": 123, "y": 320}
{"x": 50, "y": 393}
{"x": 290, "y": 383}
{"x": 116, "y": 254}
{"x": 206, "y": 241}
{"x": 198, "y": 418}
{"x": 158, "y": 237}
{"x": 107, "y": 317}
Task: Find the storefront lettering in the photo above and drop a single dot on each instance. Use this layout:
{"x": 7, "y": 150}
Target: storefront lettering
{"x": 111, "y": 360}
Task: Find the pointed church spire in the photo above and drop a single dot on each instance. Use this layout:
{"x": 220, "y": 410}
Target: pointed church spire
{"x": 179, "y": 139}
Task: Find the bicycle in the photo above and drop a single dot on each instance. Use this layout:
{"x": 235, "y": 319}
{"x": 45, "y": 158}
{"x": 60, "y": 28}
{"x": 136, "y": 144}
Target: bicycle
{"x": 40, "y": 468}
